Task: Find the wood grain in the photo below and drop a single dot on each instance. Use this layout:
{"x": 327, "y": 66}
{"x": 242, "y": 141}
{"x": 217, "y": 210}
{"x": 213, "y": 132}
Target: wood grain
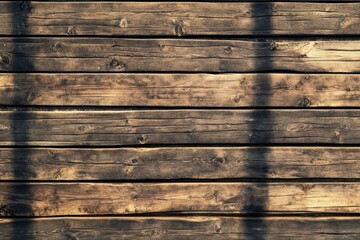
{"x": 164, "y": 163}
{"x": 178, "y": 18}
{"x": 191, "y": 90}
{"x": 55, "y": 199}
{"x": 87, "y": 172}
{"x": 186, "y": 55}
{"x": 239, "y": 228}
{"x": 142, "y": 127}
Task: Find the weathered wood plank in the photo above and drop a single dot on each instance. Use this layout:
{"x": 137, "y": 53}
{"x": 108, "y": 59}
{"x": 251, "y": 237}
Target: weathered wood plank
{"x": 159, "y": 55}
{"x": 54, "y": 199}
{"x": 141, "y": 127}
{"x": 178, "y": 18}
{"x": 269, "y": 228}
{"x": 165, "y": 163}
{"x": 225, "y": 90}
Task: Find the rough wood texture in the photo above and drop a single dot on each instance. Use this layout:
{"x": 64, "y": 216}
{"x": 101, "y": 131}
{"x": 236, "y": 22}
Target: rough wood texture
{"x": 55, "y": 199}
{"x": 179, "y": 18}
{"x": 75, "y": 167}
{"x": 164, "y": 55}
{"x": 225, "y": 90}
{"x": 179, "y": 163}
{"x": 269, "y": 228}
{"x": 141, "y": 127}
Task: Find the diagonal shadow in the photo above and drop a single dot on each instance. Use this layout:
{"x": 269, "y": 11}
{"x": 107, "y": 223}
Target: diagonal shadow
{"x": 19, "y": 121}
{"x": 257, "y": 193}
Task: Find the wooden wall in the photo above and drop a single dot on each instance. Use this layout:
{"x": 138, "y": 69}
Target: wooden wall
{"x": 180, "y": 120}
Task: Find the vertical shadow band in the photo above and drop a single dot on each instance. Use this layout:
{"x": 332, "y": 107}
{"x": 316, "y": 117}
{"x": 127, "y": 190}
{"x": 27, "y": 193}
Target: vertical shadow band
{"x": 257, "y": 193}
{"x": 19, "y": 120}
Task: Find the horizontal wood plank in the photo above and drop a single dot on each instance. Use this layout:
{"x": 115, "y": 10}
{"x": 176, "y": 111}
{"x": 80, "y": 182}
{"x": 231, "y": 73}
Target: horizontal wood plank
{"x": 142, "y": 127}
{"x": 322, "y": 228}
{"x": 185, "y": 55}
{"x": 55, "y": 199}
{"x": 179, "y": 163}
{"x": 220, "y": 90}
{"x": 178, "y": 18}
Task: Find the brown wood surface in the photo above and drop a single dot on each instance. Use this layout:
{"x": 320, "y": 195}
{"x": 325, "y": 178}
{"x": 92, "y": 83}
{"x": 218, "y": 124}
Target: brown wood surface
{"x": 185, "y": 55}
{"x": 192, "y": 90}
{"x": 80, "y": 160}
{"x": 179, "y": 163}
{"x": 142, "y": 127}
{"x": 179, "y": 18}
{"x": 274, "y": 228}
{"x": 57, "y": 199}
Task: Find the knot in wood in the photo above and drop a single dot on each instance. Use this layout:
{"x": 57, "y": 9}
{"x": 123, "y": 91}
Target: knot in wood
{"x": 72, "y": 237}
{"x": 298, "y": 127}
{"x": 239, "y": 97}
{"x": 5, "y": 211}
{"x": 228, "y": 50}
{"x": 338, "y": 136}
{"x": 273, "y": 46}
{"x": 71, "y": 30}
{"x": 142, "y": 140}
{"x": 299, "y": 85}
{"x": 52, "y": 155}
{"x": 122, "y": 23}
{"x": 304, "y": 102}
{"x": 349, "y": 89}
{"x": 217, "y": 229}
{"x": 272, "y": 173}
{"x": 212, "y": 195}
{"x": 31, "y": 96}
{"x": 179, "y": 29}
{"x": 157, "y": 232}
{"x": 116, "y": 64}
{"x": 133, "y": 162}
{"x": 4, "y": 59}
{"x": 249, "y": 13}
{"x": 306, "y": 187}
{"x": 218, "y": 161}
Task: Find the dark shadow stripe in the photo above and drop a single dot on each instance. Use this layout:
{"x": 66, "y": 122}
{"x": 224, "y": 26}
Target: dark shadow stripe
{"x": 257, "y": 196}
{"x": 21, "y": 11}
